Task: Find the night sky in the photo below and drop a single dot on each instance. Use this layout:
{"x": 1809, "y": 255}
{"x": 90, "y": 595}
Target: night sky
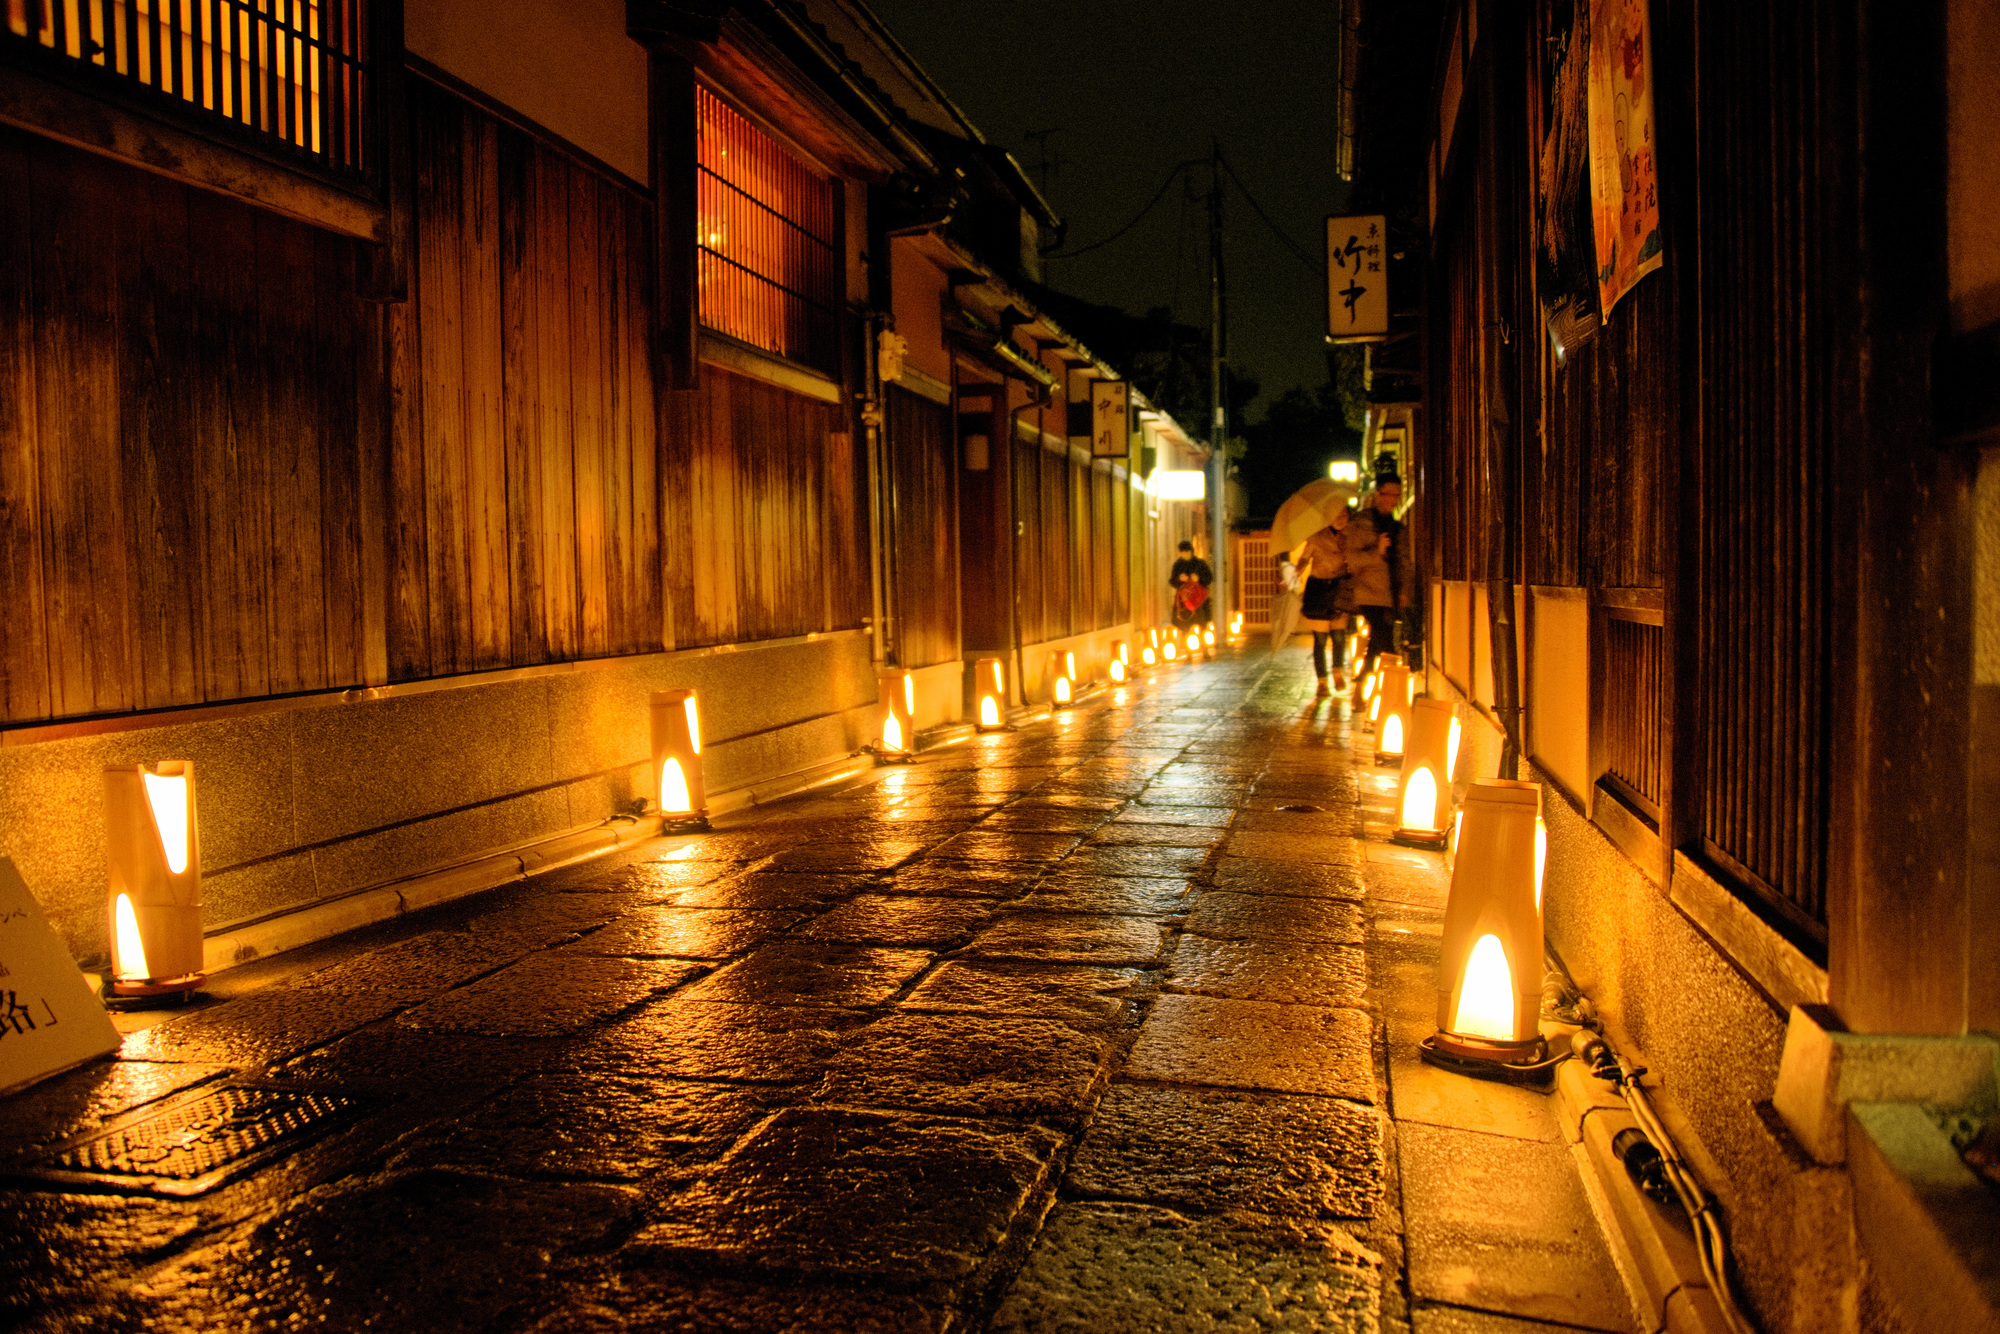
{"x": 1134, "y": 89}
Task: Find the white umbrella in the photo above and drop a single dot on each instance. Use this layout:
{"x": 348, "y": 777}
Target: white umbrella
{"x": 1309, "y": 509}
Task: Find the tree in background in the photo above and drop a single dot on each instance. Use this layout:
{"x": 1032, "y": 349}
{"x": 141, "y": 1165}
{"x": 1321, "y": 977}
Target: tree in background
{"x": 1303, "y": 430}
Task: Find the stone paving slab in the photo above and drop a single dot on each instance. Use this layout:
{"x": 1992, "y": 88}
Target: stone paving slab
{"x": 901, "y": 919}
{"x": 1301, "y": 849}
{"x": 1007, "y": 845}
{"x": 1256, "y": 1045}
{"x": 1071, "y": 938}
{"x": 1502, "y": 1225}
{"x": 615, "y": 1300}
{"x": 1227, "y": 916}
{"x": 830, "y": 1191}
{"x": 1049, "y": 991}
{"x": 1205, "y": 1150}
{"x": 547, "y": 994}
{"x": 1155, "y": 835}
{"x": 812, "y": 972}
{"x": 1270, "y": 971}
{"x": 1153, "y": 862}
{"x": 684, "y": 933}
{"x": 1211, "y": 817}
{"x": 1133, "y": 1269}
{"x": 758, "y": 1044}
{"x": 1113, "y": 895}
{"x": 963, "y": 879}
{"x": 769, "y": 891}
{"x": 860, "y": 855}
{"x": 1245, "y": 875}
{"x": 970, "y": 1065}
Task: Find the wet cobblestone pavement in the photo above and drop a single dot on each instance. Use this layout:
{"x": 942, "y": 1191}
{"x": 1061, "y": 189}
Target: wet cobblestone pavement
{"x": 1076, "y": 1028}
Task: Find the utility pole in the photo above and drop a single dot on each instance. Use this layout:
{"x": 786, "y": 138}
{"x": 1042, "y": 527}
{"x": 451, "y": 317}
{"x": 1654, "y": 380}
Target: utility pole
{"x": 1218, "y": 462}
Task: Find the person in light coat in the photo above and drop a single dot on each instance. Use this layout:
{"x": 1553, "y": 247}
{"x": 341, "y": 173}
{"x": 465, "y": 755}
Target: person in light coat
{"x": 1373, "y": 544}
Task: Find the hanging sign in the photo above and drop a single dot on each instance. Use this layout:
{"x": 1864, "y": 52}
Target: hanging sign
{"x": 1110, "y": 415}
{"x": 1357, "y": 278}
{"x": 1624, "y": 184}
{"x": 49, "y": 1021}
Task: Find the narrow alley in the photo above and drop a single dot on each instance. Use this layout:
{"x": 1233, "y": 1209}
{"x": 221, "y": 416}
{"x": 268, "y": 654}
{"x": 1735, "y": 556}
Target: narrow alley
{"x": 1105, "y": 1024}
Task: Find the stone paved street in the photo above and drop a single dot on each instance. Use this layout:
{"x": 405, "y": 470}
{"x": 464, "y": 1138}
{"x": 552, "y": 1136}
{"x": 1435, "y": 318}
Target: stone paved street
{"x": 1107, "y": 1025}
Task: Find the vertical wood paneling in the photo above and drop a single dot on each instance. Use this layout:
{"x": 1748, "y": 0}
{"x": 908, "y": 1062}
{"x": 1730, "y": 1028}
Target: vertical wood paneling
{"x": 24, "y": 661}
{"x": 925, "y": 475}
{"x": 588, "y": 425}
{"x": 486, "y": 637}
{"x": 441, "y": 348}
{"x": 554, "y": 474}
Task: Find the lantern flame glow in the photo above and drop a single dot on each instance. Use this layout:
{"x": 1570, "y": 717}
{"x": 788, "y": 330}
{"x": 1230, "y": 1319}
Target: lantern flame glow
{"x": 1392, "y": 735}
{"x": 892, "y": 733}
{"x": 1148, "y": 657}
{"x": 131, "y": 960}
{"x": 1170, "y": 650}
{"x": 674, "y": 798}
{"x": 694, "y": 726}
{"x": 1451, "y": 750}
{"x": 1375, "y": 708}
{"x": 1194, "y": 641}
{"x": 1062, "y": 690}
{"x": 1486, "y": 994}
{"x": 168, "y": 798}
{"x": 1541, "y": 857}
{"x": 989, "y": 711}
{"x": 1117, "y": 669}
{"x": 1420, "y": 800}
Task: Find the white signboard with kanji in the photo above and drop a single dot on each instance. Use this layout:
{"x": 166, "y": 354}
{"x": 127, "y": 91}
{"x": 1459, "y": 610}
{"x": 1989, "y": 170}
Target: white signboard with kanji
{"x": 49, "y": 1020}
{"x": 1357, "y": 278}
{"x": 1110, "y": 415}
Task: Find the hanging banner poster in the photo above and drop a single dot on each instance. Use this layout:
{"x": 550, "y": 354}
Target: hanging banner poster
{"x": 1566, "y": 255}
{"x": 1357, "y": 279}
{"x": 1624, "y": 185}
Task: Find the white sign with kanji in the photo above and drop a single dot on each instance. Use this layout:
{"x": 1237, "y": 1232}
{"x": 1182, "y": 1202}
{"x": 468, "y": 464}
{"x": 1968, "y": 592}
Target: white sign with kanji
{"x": 1110, "y": 417}
{"x": 49, "y": 1020}
{"x": 1357, "y": 278}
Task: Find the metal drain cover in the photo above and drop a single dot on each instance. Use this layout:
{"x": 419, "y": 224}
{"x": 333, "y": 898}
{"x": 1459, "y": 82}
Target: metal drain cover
{"x": 1300, "y": 808}
{"x": 194, "y": 1143}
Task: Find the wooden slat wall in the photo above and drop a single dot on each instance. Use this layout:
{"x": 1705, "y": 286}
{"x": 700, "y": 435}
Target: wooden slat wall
{"x": 769, "y": 542}
{"x": 924, "y": 465}
{"x": 179, "y": 477}
{"x": 524, "y": 476}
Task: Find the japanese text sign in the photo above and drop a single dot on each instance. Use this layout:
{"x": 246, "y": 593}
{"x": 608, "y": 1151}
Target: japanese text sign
{"x": 49, "y": 1021}
{"x": 1110, "y": 407}
{"x": 1624, "y": 179}
{"x": 1357, "y": 278}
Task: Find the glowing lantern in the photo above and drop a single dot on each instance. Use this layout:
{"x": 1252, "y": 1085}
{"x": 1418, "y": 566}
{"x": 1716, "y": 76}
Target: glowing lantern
{"x": 1122, "y": 652}
{"x": 989, "y": 688}
{"x": 1069, "y": 666}
{"x": 1193, "y": 643}
{"x": 1208, "y": 636}
{"x": 1149, "y": 657}
{"x": 1390, "y": 711}
{"x": 1169, "y": 650}
{"x": 154, "y": 855}
{"x": 1490, "y": 968}
{"x": 898, "y": 693}
{"x": 678, "y": 784}
{"x": 1424, "y": 799}
{"x": 1118, "y": 671}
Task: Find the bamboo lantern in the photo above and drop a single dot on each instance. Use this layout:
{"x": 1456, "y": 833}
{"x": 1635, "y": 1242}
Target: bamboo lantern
{"x": 897, "y": 690}
{"x": 153, "y": 849}
{"x": 1390, "y": 711}
{"x": 1170, "y": 650}
{"x": 1117, "y": 671}
{"x": 677, "y": 778}
{"x": 1208, "y": 636}
{"x": 1490, "y": 966}
{"x": 989, "y": 685}
{"x": 1423, "y": 798}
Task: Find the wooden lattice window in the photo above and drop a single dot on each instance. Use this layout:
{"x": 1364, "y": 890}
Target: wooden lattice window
{"x": 768, "y": 225}
{"x": 292, "y": 74}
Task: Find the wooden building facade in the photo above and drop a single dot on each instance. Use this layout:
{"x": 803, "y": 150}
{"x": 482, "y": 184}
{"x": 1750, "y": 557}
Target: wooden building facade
{"x": 1708, "y": 566}
{"x": 405, "y": 388}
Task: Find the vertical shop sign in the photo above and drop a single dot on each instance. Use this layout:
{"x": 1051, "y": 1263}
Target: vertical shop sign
{"x": 1357, "y": 278}
{"x": 1625, "y": 195}
{"x": 1110, "y": 417}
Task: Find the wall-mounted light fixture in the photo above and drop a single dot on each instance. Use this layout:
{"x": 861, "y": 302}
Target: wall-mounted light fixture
{"x": 1423, "y": 798}
{"x": 989, "y": 685}
{"x": 1179, "y": 483}
{"x": 897, "y": 742}
{"x": 153, "y": 850}
{"x": 678, "y": 784}
{"x": 1490, "y": 968}
{"x": 1344, "y": 470}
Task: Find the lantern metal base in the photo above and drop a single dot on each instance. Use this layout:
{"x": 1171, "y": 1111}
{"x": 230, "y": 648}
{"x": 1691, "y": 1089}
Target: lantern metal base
{"x": 1381, "y": 758}
{"x": 685, "y": 824}
{"x": 890, "y": 756}
{"x": 1434, "y": 839}
{"x": 127, "y": 989}
{"x": 1523, "y": 1062}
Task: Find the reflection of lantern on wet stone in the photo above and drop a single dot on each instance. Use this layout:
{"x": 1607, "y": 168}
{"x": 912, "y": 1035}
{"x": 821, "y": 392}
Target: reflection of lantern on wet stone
{"x": 1490, "y": 968}
{"x": 154, "y": 854}
{"x": 989, "y": 686}
{"x": 898, "y": 692}
{"x": 1423, "y": 798}
{"x": 678, "y": 784}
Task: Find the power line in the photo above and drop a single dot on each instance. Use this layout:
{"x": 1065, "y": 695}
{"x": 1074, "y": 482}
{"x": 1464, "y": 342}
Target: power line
{"x": 1158, "y": 195}
{"x": 1315, "y": 266}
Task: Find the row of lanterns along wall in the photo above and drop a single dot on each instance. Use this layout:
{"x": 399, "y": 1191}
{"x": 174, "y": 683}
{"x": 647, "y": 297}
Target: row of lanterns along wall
{"x": 153, "y": 840}
{"x": 1491, "y": 959}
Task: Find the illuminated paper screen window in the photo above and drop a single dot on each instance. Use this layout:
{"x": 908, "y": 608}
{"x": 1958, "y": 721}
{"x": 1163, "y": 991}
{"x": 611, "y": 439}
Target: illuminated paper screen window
{"x": 767, "y": 267}
{"x": 293, "y": 71}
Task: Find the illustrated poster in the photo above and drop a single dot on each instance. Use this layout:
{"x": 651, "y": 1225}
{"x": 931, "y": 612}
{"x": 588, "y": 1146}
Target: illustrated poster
{"x": 1624, "y": 183}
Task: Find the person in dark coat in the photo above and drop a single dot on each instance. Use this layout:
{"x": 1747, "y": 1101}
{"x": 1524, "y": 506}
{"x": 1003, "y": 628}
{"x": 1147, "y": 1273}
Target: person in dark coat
{"x": 1190, "y": 578}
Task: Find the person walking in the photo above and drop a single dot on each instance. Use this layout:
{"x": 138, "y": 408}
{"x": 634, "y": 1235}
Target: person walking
{"x": 1190, "y": 578}
{"x": 1373, "y": 543}
{"x": 1323, "y": 564}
